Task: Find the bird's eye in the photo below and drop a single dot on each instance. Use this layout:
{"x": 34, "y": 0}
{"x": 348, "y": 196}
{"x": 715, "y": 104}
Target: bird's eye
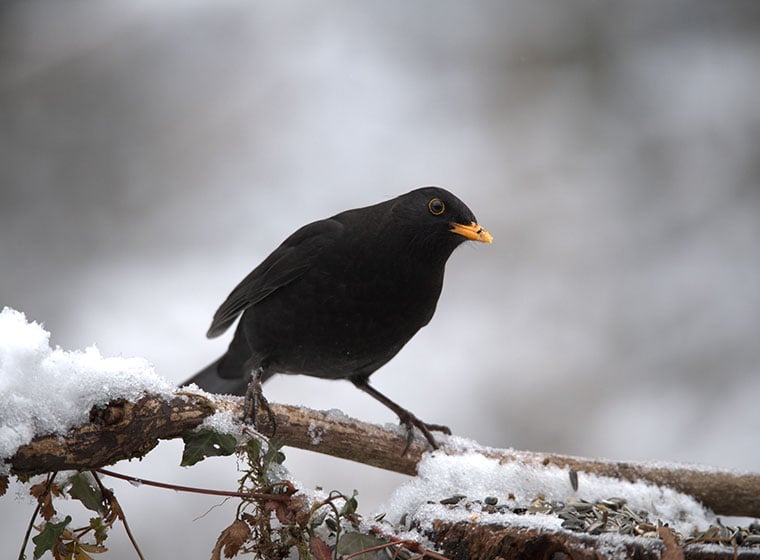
{"x": 436, "y": 206}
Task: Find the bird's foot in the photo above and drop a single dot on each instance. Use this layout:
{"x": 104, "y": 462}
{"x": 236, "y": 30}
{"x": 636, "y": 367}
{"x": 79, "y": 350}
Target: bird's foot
{"x": 406, "y": 418}
{"x": 254, "y": 400}
{"x": 410, "y": 421}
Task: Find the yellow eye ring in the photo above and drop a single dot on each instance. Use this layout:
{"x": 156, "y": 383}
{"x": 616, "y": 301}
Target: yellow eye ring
{"x": 436, "y": 206}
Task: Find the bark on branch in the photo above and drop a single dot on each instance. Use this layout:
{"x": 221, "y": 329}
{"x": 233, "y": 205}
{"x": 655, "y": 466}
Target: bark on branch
{"x": 463, "y": 541}
{"x": 125, "y": 430}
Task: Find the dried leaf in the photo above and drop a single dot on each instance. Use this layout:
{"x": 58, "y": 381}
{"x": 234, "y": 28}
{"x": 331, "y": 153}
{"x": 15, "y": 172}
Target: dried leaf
{"x": 44, "y": 492}
{"x": 47, "y": 511}
{"x": 63, "y": 550}
{"x": 319, "y": 549}
{"x": 38, "y": 490}
{"x": 672, "y": 550}
{"x": 282, "y": 511}
{"x": 250, "y": 519}
{"x": 81, "y": 550}
{"x": 94, "y": 548}
{"x": 114, "y": 510}
{"x": 231, "y": 540}
{"x": 3, "y": 485}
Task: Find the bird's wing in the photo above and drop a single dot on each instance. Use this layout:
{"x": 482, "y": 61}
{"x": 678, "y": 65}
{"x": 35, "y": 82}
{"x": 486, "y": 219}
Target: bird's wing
{"x": 286, "y": 263}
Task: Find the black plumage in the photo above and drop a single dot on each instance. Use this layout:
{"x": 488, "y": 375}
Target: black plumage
{"x": 341, "y": 296}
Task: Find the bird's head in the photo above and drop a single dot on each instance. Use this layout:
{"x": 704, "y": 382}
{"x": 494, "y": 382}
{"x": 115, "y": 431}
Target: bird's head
{"x": 434, "y": 217}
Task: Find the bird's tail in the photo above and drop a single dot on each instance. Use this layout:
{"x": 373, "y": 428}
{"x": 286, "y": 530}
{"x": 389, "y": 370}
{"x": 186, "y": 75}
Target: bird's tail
{"x": 209, "y": 380}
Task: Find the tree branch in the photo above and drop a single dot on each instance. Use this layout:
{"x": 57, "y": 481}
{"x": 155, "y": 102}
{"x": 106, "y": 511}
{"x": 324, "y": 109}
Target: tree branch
{"x": 125, "y": 430}
{"x": 121, "y": 430}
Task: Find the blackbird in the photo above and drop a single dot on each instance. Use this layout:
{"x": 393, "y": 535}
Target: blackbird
{"x": 340, "y": 297}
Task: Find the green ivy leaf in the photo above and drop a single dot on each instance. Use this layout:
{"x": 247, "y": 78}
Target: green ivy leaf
{"x": 253, "y": 448}
{"x": 351, "y": 543}
{"x": 86, "y": 491}
{"x": 99, "y": 528}
{"x": 206, "y": 443}
{"x": 350, "y": 506}
{"x": 318, "y": 518}
{"x": 273, "y": 453}
{"x": 49, "y": 535}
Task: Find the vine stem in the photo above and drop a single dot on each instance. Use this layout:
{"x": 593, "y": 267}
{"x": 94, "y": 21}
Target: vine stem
{"x": 283, "y": 497}
{"x": 401, "y": 544}
{"x": 111, "y": 496}
{"x": 25, "y": 542}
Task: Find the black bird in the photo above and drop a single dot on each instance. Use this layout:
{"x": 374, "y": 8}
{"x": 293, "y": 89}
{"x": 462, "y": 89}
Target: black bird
{"x": 340, "y": 297}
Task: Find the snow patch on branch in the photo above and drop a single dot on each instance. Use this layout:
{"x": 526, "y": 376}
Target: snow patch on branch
{"x": 473, "y": 477}
{"x": 46, "y": 390}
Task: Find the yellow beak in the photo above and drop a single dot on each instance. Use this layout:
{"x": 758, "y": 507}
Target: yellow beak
{"x": 472, "y": 231}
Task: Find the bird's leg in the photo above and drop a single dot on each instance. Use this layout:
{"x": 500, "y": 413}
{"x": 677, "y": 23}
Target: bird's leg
{"x": 254, "y": 398}
{"x": 405, "y": 417}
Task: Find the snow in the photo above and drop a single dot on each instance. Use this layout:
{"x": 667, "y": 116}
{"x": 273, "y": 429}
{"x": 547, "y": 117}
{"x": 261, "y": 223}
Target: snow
{"x": 476, "y": 476}
{"x": 48, "y": 390}
{"x": 315, "y": 432}
{"x": 223, "y": 422}
{"x": 337, "y": 415}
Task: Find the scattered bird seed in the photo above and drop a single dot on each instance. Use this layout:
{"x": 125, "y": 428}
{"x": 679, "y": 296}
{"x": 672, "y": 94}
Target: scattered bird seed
{"x": 455, "y": 499}
{"x": 574, "y": 479}
{"x": 612, "y": 515}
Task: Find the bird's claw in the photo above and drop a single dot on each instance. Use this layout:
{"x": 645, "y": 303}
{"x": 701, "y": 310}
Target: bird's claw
{"x": 410, "y": 422}
{"x": 439, "y": 428}
{"x": 254, "y": 400}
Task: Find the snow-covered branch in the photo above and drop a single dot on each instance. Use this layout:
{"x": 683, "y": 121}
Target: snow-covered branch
{"x": 124, "y": 430}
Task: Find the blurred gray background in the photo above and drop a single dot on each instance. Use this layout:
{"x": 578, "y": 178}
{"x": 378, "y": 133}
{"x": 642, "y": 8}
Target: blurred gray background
{"x": 152, "y": 153}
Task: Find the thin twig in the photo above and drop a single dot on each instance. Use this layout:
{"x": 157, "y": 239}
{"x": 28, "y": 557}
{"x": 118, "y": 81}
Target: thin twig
{"x": 407, "y": 544}
{"x": 121, "y": 515}
{"x": 25, "y": 542}
{"x": 129, "y": 532}
{"x": 283, "y": 497}
{"x": 369, "y": 549}
{"x": 402, "y": 545}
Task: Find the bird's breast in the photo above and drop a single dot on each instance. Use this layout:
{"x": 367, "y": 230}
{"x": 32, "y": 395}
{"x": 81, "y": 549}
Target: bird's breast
{"x": 339, "y": 322}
